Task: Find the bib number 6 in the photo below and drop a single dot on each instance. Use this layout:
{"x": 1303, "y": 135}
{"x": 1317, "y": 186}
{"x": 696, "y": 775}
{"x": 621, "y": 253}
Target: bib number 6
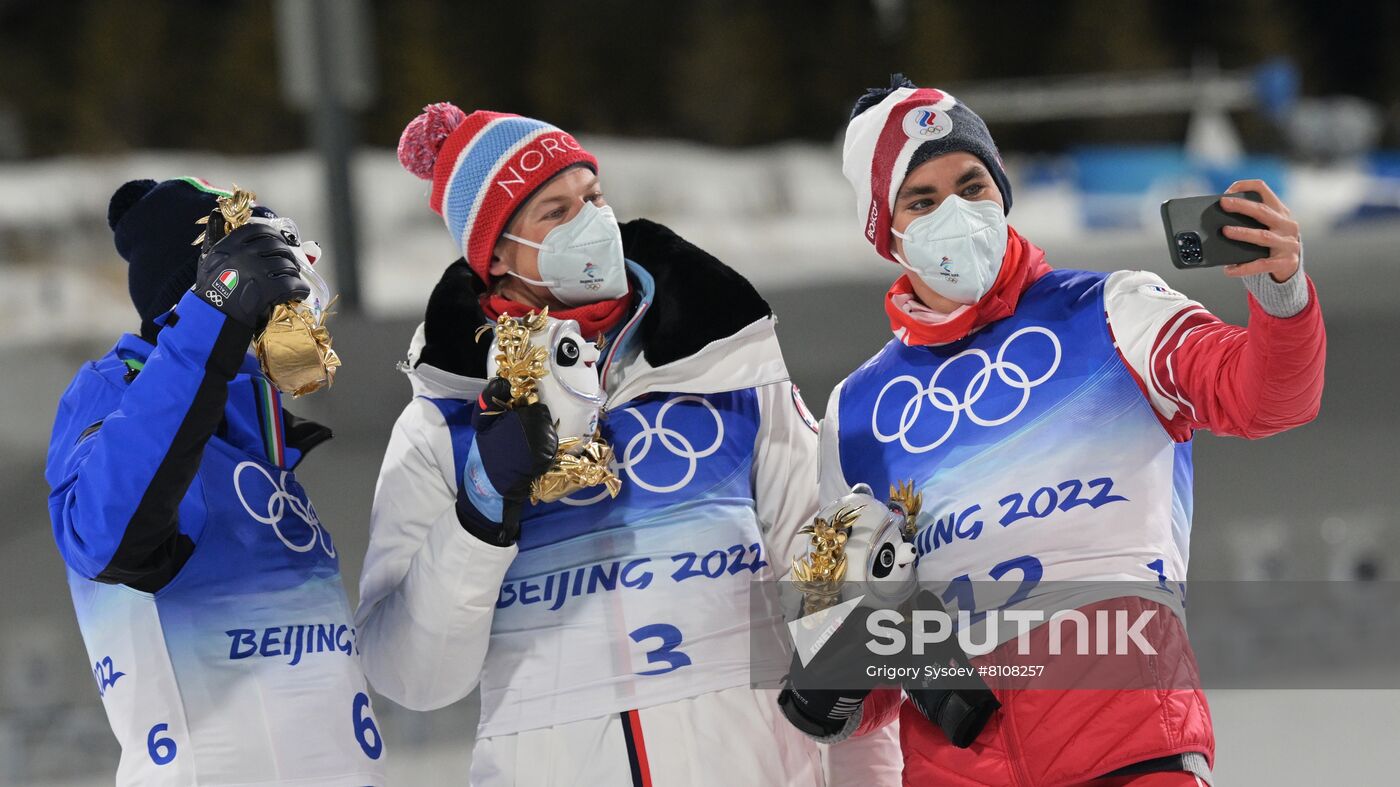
{"x": 667, "y": 654}
{"x": 366, "y": 734}
{"x": 160, "y": 747}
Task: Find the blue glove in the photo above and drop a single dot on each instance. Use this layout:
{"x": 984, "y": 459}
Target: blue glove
{"x": 510, "y": 450}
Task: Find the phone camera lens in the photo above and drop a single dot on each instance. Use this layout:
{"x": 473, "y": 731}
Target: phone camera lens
{"x": 1188, "y": 246}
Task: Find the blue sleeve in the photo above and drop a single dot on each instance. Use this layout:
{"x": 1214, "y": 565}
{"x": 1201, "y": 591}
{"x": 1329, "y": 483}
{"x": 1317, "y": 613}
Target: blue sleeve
{"x": 473, "y": 480}
{"x": 117, "y": 480}
{"x": 480, "y": 507}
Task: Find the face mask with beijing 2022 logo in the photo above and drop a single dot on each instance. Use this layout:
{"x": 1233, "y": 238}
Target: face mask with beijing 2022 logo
{"x": 581, "y": 260}
{"x": 957, "y": 249}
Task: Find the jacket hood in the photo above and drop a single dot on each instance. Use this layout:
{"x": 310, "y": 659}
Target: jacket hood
{"x": 433, "y": 381}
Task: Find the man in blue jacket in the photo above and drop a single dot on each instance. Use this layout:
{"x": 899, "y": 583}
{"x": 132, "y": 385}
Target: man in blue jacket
{"x": 207, "y": 591}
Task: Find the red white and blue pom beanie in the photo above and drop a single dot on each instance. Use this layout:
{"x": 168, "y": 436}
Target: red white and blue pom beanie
{"x": 484, "y": 166}
{"x": 894, "y": 130}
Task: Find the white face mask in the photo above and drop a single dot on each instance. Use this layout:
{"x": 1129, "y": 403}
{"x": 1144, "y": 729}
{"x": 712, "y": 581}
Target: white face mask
{"x": 957, "y": 249}
{"x": 581, "y": 260}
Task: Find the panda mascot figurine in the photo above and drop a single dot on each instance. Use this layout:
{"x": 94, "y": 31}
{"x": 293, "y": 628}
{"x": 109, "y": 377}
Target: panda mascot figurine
{"x": 860, "y": 539}
{"x": 547, "y": 360}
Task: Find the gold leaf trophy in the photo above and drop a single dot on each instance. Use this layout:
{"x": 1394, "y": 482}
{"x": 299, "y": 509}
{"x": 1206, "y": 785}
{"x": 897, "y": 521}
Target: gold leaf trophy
{"x": 548, "y": 360}
{"x": 294, "y": 350}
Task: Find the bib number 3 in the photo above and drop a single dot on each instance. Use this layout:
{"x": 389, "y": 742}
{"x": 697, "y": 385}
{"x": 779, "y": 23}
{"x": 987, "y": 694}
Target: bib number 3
{"x": 666, "y": 654}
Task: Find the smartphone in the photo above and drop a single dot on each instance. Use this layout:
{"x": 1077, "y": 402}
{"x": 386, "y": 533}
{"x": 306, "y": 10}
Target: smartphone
{"x": 1194, "y": 236}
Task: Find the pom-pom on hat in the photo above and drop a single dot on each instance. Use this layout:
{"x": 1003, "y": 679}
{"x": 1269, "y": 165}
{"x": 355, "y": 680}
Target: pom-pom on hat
{"x": 484, "y": 166}
{"x": 153, "y": 226}
{"x": 894, "y": 130}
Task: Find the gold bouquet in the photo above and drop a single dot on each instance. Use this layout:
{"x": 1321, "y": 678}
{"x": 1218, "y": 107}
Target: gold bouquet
{"x": 820, "y": 573}
{"x": 294, "y": 350}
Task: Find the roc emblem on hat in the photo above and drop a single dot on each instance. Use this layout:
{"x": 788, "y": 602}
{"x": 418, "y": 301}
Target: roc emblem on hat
{"x": 934, "y": 121}
{"x": 895, "y": 129}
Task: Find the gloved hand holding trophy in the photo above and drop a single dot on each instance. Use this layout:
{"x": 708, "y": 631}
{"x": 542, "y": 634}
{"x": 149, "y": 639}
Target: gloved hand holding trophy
{"x": 861, "y": 550}
{"x": 255, "y": 268}
{"x": 545, "y": 360}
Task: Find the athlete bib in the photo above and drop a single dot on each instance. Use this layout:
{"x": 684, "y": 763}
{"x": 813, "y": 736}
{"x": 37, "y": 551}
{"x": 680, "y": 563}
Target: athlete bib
{"x": 243, "y": 669}
{"x": 1037, "y": 454}
{"x": 615, "y": 604}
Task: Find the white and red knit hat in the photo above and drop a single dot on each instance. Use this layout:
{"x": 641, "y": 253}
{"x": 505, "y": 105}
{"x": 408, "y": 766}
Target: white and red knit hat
{"x": 894, "y": 130}
{"x": 483, "y": 166}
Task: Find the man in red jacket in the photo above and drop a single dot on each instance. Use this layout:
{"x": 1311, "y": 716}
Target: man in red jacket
{"x": 1046, "y": 415}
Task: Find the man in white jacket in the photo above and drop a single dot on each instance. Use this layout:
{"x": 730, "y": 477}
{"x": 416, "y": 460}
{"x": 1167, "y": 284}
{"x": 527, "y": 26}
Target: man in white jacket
{"x": 609, "y": 637}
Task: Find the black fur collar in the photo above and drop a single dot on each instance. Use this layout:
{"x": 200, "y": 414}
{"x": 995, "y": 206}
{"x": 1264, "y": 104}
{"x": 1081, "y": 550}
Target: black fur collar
{"x": 698, "y": 300}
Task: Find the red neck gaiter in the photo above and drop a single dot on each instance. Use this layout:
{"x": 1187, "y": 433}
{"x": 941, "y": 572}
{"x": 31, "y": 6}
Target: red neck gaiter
{"x": 1023, "y": 264}
{"x": 594, "y": 319}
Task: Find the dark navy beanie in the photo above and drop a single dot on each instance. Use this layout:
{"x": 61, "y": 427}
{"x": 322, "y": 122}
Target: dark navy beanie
{"x": 154, "y": 228}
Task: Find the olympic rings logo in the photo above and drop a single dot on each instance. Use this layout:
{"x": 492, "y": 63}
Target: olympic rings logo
{"x": 660, "y": 436}
{"x": 948, "y": 401}
{"x": 276, "y": 507}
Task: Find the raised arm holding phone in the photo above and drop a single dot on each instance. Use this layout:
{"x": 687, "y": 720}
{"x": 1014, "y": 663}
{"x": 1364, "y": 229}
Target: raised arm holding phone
{"x": 1005, "y": 374}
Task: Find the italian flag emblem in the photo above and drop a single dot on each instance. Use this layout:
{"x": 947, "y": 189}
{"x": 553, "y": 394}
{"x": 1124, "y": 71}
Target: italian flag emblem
{"x": 224, "y": 284}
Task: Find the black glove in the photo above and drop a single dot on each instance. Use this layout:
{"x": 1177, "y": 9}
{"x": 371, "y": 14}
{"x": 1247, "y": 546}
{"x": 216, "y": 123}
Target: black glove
{"x": 515, "y": 447}
{"x": 816, "y": 703}
{"x": 814, "y": 700}
{"x": 247, "y": 272}
{"x": 960, "y": 712}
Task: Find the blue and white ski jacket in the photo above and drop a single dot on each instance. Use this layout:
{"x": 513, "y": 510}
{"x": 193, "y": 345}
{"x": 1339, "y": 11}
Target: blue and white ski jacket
{"x": 207, "y": 590}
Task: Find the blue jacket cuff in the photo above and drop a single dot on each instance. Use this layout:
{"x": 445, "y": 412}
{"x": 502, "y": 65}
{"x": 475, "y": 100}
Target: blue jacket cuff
{"x": 477, "y": 486}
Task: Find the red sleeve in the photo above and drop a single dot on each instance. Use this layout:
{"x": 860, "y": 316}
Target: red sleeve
{"x": 1248, "y": 382}
{"x": 881, "y": 707}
